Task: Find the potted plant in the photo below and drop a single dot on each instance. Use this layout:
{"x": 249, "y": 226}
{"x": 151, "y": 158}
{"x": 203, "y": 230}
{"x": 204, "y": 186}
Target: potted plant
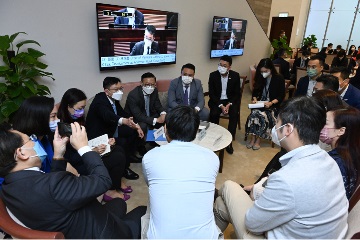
{"x": 310, "y": 39}
{"x": 19, "y": 74}
{"x": 278, "y": 44}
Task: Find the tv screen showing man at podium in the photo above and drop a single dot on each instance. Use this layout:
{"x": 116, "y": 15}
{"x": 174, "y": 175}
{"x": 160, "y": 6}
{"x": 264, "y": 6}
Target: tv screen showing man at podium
{"x": 135, "y": 37}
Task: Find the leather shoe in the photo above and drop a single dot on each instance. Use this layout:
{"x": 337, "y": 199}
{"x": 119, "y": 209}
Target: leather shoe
{"x": 130, "y": 174}
{"x": 230, "y": 149}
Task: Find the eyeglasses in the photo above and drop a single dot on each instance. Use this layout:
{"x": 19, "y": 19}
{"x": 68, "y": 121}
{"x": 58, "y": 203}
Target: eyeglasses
{"x": 116, "y": 89}
{"x": 33, "y": 138}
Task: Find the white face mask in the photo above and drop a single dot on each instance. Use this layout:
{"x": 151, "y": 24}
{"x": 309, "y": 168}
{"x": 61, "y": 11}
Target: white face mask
{"x": 117, "y": 95}
{"x": 274, "y": 136}
{"x": 222, "y": 70}
{"x": 147, "y": 42}
{"x": 186, "y": 79}
{"x": 265, "y": 74}
{"x": 148, "y": 90}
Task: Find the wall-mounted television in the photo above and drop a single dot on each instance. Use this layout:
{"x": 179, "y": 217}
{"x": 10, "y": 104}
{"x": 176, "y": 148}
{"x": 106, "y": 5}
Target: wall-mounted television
{"x": 228, "y": 37}
{"x": 135, "y": 37}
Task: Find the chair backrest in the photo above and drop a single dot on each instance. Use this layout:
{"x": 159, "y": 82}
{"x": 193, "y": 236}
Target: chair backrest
{"x": 329, "y": 58}
{"x": 354, "y": 214}
{"x": 8, "y": 225}
{"x": 300, "y": 72}
{"x": 252, "y": 71}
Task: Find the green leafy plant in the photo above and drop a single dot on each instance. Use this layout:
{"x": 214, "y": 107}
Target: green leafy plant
{"x": 19, "y": 74}
{"x": 310, "y": 39}
{"x": 277, "y": 44}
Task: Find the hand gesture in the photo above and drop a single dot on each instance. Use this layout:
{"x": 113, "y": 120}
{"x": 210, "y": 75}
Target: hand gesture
{"x": 254, "y": 100}
{"x": 78, "y": 138}
{"x": 111, "y": 141}
{"x": 59, "y": 144}
{"x": 100, "y": 149}
{"x": 161, "y": 119}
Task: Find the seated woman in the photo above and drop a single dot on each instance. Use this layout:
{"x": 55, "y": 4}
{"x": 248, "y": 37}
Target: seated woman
{"x": 341, "y": 131}
{"x": 32, "y": 118}
{"x": 71, "y": 109}
{"x": 352, "y": 51}
{"x": 269, "y": 87}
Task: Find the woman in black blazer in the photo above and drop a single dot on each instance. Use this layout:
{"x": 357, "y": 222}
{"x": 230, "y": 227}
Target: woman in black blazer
{"x": 269, "y": 87}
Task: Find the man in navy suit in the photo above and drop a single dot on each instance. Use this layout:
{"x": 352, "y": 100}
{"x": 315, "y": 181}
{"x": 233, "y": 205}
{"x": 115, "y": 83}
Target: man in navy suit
{"x": 232, "y": 42}
{"x": 148, "y": 45}
{"x": 186, "y": 90}
{"x": 306, "y": 84}
{"x": 284, "y": 65}
{"x": 135, "y": 20}
{"x": 349, "y": 93}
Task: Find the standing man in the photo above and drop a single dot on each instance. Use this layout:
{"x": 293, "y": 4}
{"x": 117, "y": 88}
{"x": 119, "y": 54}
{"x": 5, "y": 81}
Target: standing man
{"x": 144, "y": 104}
{"x": 186, "y": 90}
{"x": 181, "y": 178}
{"x": 224, "y": 95}
{"x": 106, "y": 116}
{"x": 148, "y": 46}
{"x": 306, "y": 84}
{"x": 304, "y": 199}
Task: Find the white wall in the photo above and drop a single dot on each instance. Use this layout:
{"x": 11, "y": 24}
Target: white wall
{"x": 67, "y": 32}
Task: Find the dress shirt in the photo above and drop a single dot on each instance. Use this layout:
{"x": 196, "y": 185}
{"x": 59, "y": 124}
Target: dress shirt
{"x": 310, "y": 87}
{"x": 224, "y": 81}
{"x": 147, "y": 49}
{"x": 121, "y": 119}
{"x": 184, "y": 89}
{"x": 344, "y": 92}
{"x": 231, "y": 43}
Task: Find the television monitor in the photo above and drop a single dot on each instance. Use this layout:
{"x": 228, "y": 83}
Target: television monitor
{"x": 228, "y": 37}
{"x": 135, "y": 37}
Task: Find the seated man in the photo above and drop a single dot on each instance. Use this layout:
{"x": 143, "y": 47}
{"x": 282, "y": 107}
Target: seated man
{"x": 232, "y": 42}
{"x": 186, "y": 90}
{"x": 144, "y": 104}
{"x": 285, "y": 207}
{"x": 224, "y": 95}
{"x": 306, "y": 84}
{"x": 181, "y": 178}
{"x": 284, "y": 65}
{"x": 148, "y": 46}
{"x": 106, "y": 116}
{"x": 349, "y": 93}
{"x": 326, "y": 81}
{"x": 340, "y": 60}
{"x": 328, "y": 49}
{"x": 61, "y": 201}
{"x": 136, "y": 18}
{"x": 300, "y": 62}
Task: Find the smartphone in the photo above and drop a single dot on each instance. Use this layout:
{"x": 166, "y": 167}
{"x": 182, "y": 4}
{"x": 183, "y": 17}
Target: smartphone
{"x": 64, "y": 129}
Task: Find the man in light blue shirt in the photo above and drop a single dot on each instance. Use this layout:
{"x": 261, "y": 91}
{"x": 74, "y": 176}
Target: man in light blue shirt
{"x": 181, "y": 178}
{"x": 304, "y": 199}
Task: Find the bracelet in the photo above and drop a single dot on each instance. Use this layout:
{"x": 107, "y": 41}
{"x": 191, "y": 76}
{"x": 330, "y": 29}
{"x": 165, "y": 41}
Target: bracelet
{"x": 58, "y": 158}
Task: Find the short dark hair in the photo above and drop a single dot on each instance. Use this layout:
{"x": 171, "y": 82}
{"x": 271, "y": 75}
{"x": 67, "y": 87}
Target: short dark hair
{"x": 307, "y": 115}
{"x": 329, "y": 81}
{"x": 151, "y": 29}
{"x": 182, "y": 123}
{"x": 330, "y": 44}
{"x": 305, "y": 53}
{"x": 69, "y": 99}
{"x": 188, "y": 65}
{"x": 329, "y": 98}
{"x": 318, "y": 57}
{"x": 338, "y": 47}
{"x": 109, "y": 81}
{"x": 9, "y": 142}
{"x": 344, "y": 72}
{"x": 341, "y": 53}
{"x": 281, "y": 52}
{"x": 281, "y": 32}
{"x": 148, "y": 75}
{"x": 227, "y": 58}
{"x": 33, "y": 116}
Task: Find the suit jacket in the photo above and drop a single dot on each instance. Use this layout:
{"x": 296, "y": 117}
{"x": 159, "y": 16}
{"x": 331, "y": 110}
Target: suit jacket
{"x": 352, "y": 96}
{"x": 176, "y": 94}
{"x": 135, "y": 105}
{"x": 233, "y": 90}
{"x": 61, "y": 201}
{"x": 276, "y": 90}
{"x": 101, "y": 117}
{"x": 302, "y": 86}
{"x": 336, "y": 62}
{"x": 227, "y": 44}
{"x": 297, "y": 64}
{"x": 139, "y": 18}
{"x": 284, "y": 67}
{"x": 138, "y": 48}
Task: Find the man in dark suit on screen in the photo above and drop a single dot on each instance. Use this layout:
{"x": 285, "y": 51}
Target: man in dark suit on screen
{"x": 224, "y": 95}
{"x": 136, "y": 19}
{"x": 148, "y": 45}
{"x": 231, "y": 43}
{"x": 61, "y": 201}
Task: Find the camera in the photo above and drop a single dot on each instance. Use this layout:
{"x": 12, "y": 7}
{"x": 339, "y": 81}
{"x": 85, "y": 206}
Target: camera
{"x": 64, "y": 129}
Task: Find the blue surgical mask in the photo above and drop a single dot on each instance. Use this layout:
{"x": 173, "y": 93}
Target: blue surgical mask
{"x": 78, "y": 113}
{"x": 53, "y": 125}
{"x": 40, "y": 152}
{"x": 311, "y": 72}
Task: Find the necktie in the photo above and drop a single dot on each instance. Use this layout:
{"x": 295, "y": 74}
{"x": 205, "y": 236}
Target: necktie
{"x": 302, "y": 64}
{"x": 148, "y": 52}
{"x": 186, "y": 96}
{"x": 116, "y": 130}
{"x": 147, "y": 109}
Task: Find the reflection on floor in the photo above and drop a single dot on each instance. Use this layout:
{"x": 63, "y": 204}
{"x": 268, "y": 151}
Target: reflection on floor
{"x": 243, "y": 166}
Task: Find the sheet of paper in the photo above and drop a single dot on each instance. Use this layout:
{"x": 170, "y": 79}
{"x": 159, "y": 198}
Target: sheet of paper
{"x": 103, "y": 139}
{"x": 259, "y": 104}
{"x": 159, "y": 132}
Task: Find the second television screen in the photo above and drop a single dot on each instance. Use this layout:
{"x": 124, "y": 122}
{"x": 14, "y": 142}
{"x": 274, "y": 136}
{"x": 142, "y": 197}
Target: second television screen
{"x": 228, "y": 37}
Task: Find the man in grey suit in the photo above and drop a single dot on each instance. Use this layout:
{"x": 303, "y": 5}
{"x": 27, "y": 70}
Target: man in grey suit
{"x": 185, "y": 90}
